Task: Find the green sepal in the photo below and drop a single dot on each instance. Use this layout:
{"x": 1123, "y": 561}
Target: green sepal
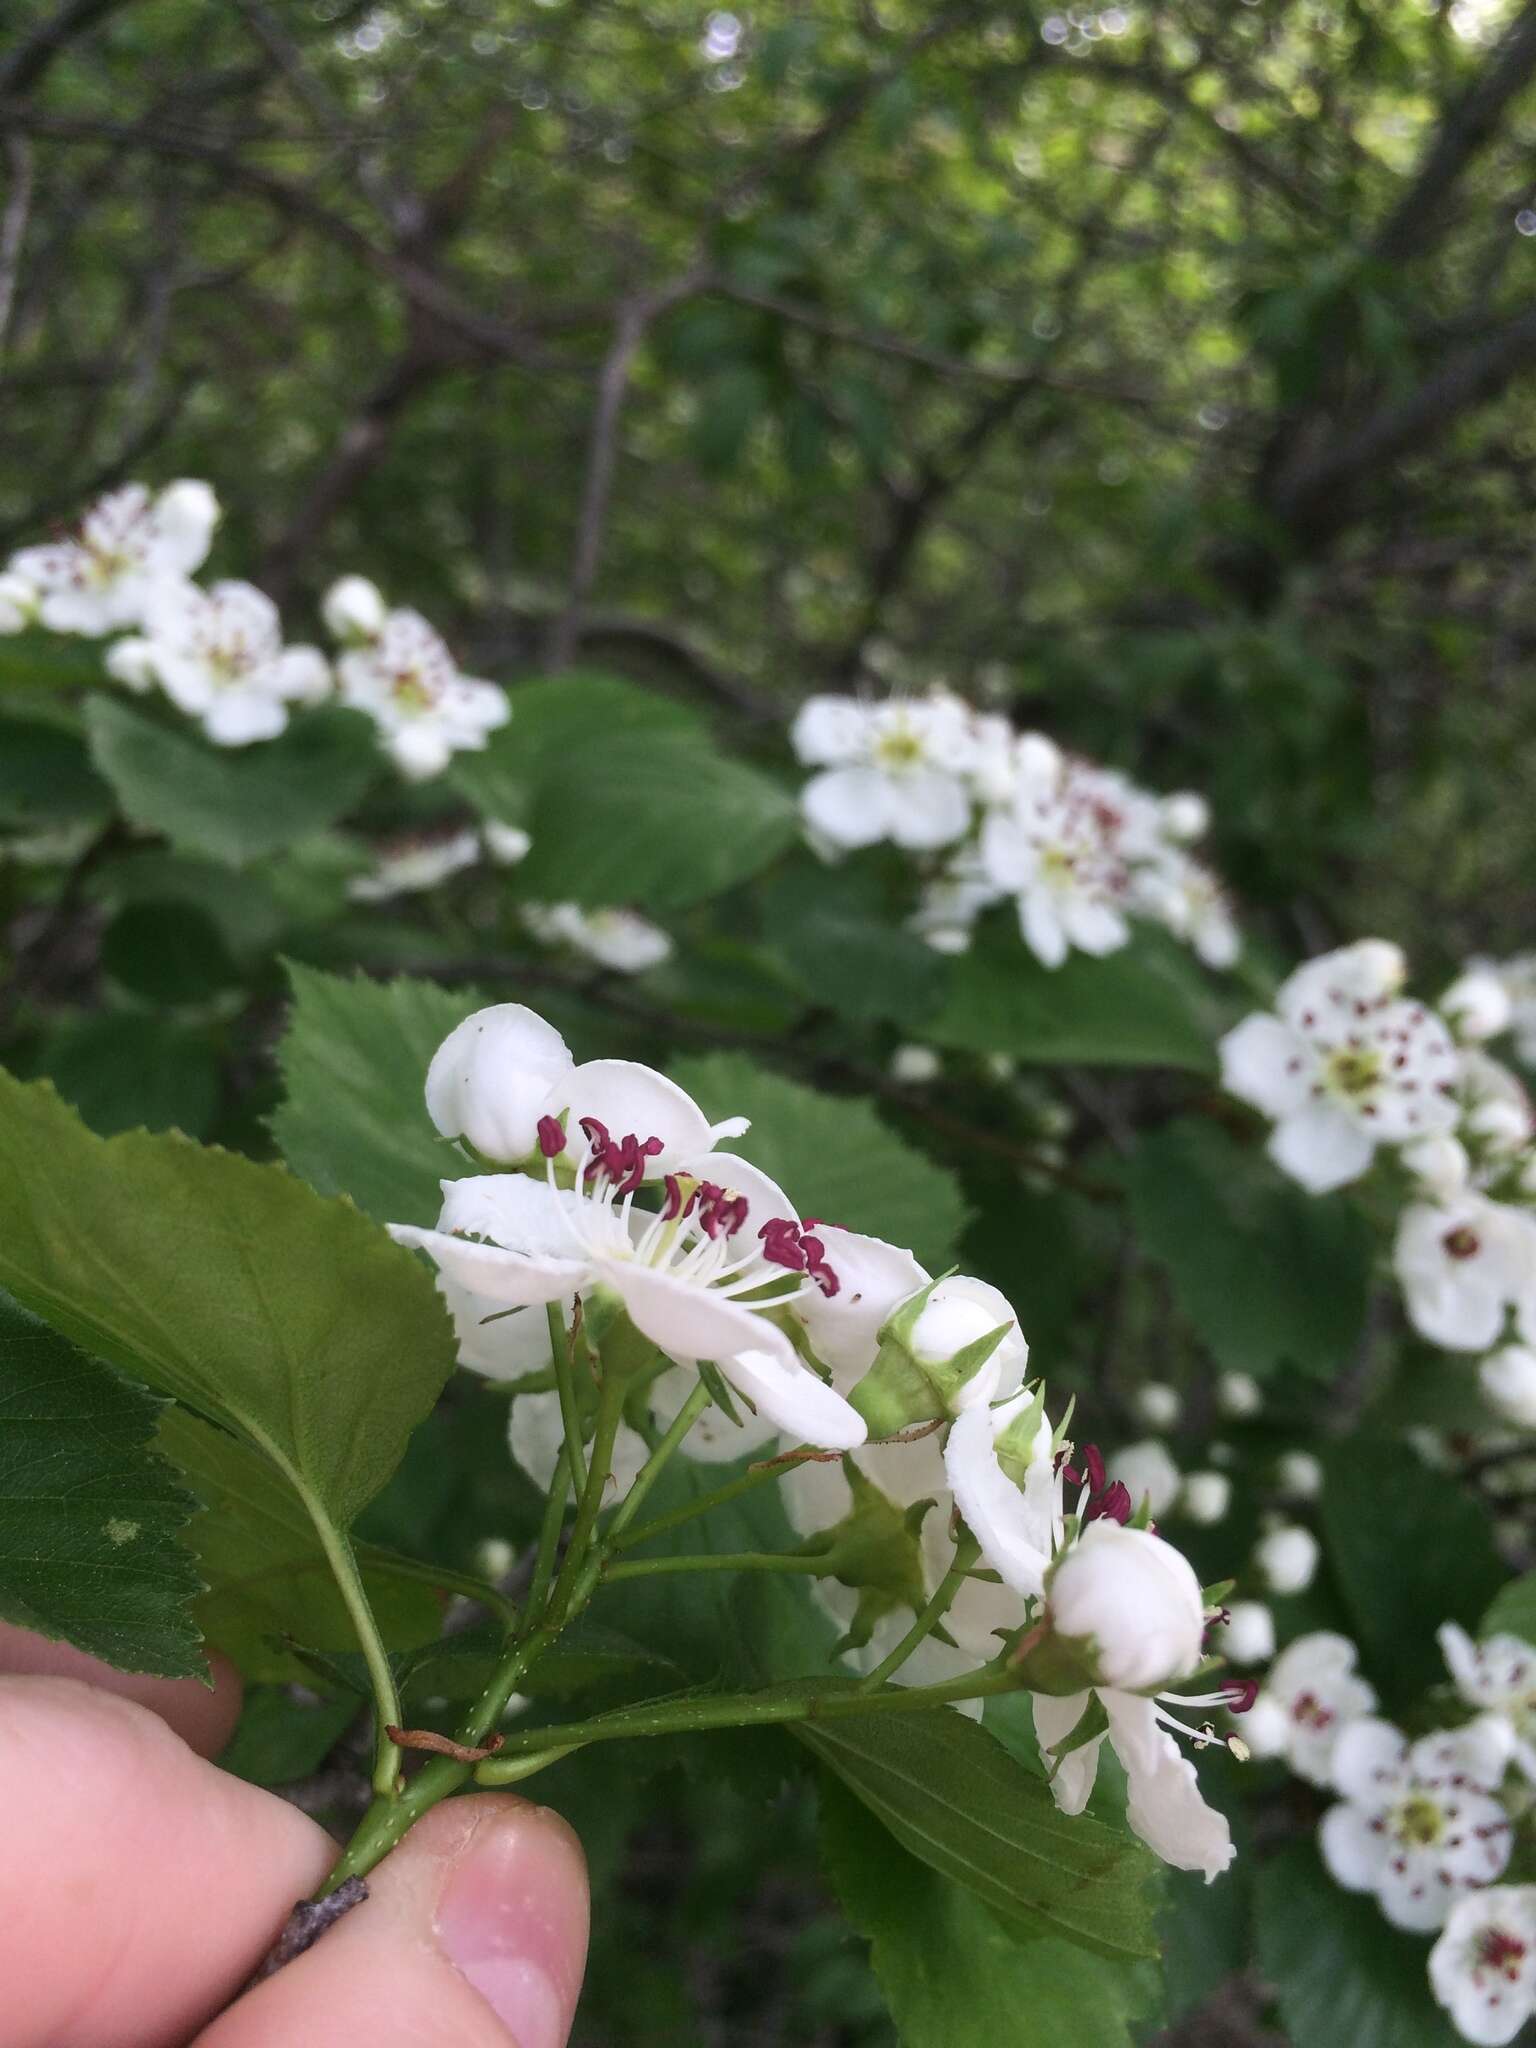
{"x": 900, "y": 1388}
{"x": 1216, "y": 1596}
{"x": 1060, "y": 1665}
{"x": 1092, "y": 1723}
{"x": 876, "y": 1551}
{"x": 720, "y": 1392}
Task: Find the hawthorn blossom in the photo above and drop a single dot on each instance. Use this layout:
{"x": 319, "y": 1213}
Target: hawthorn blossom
{"x": 889, "y": 771}
{"x": 1239, "y": 1396}
{"x": 1477, "y": 1004}
{"x": 1050, "y": 852}
{"x": 1248, "y": 1636}
{"x": 1205, "y": 1497}
{"x": 1185, "y": 896}
{"x": 127, "y": 547}
{"x": 1483, "y": 1967}
{"x": 948, "y": 907}
{"x": 1508, "y": 1380}
{"x": 406, "y": 867}
{"x": 1417, "y": 1823}
{"x": 506, "y": 844}
{"x": 620, "y": 940}
{"x": 18, "y": 602}
{"x": 354, "y": 610}
{"x": 1498, "y": 1676}
{"x": 1311, "y": 1694}
{"x": 1299, "y": 1475}
{"x": 1496, "y": 1109}
{"x": 700, "y": 1276}
{"x": 1158, "y": 1405}
{"x": 1148, "y": 1473}
{"x": 1462, "y": 1264}
{"x": 1287, "y": 1558}
{"x": 1345, "y": 1066}
{"x": 409, "y": 684}
{"x": 218, "y": 654}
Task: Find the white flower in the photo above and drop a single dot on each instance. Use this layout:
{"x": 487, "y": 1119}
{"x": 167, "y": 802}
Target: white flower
{"x": 18, "y": 602}
{"x": 1477, "y": 1004}
{"x": 353, "y": 610}
{"x": 1519, "y": 978}
{"x": 1186, "y": 815}
{"x": 1312, "y": 1694}
{"x": 620, "y": 940}
{"x": 1239, "y": 1396}
{"x": 1206, "y": 1496}
{"x": 1299, "y": 1475}
{"x": 1461, "y": 1265}
{"x": 949, "y": 907}
{"x": 409, "y": 684}
{"x": 407, "y": 867}
{"x": 1287, "y": 1558}
{"x": 1497, "y": 1675}
{"x": 889, "y": 771}
{"x": 131, "y": 662}
{"x": 499, "y": 1073}
{"x": 1249, "y": 1634}
{"x": 127, "y": 546}
{"x": 1508, "y": 1380}
{"x": 1158, "y": 1406}
{"x": 1483, "y": 1967}
{"x": 1050, "y": 852}
{"x": 1148, "y": 1474}
{"x": 1014, "y": 1513}
{"x": 960, "y": 1312}
{"x": 1343, "y": 1068}
{"x": 1136, "y": 1599}
{"x": 1417, "y": 1825}
{"x": 702, "y": 1276}
{"x": 218, "y": 654}
{"x": 1439, "y": 1164}
{"x": 506, "y": 844}
{"x": 1188, "y": 899}
{"x": 915, "y": 1065}
{"x": 1495, "y": 1105}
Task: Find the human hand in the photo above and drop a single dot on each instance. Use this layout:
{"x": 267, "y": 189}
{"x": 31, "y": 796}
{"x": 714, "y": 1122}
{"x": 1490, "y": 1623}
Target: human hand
{"x": 140, "y": 1887}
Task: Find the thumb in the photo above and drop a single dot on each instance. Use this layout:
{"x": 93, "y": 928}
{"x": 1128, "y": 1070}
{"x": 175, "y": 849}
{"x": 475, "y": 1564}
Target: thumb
{"x": 474, "y": 1935}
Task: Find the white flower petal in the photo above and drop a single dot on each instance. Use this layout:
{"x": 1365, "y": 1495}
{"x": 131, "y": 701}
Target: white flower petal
{"x": 1369, "y": 1758}
{"x": 874, "y": 1278}
{"x": 928, "y": 809}
{"x": 1015, "y": 1539}
{"x": 508, "y": 1279}
{"x": 628, "y": 1098}
{"x": 1355, "y": 1853}
{"x": 791, "y": 1396}
{"x": 1321, "y": 1147}
{"x": 1264, "y": 1062}
{"x": 1164, "y": 1805}
{"x": 490, "y": 1077}
{"x": 1072, "y": 1778}
{"x": 849, "y": 806}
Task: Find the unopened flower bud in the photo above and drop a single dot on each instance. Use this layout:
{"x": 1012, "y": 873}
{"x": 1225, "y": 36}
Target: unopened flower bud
{"x": 1287, "y": 1558}
{"x": 1439, "y": 1164}
{"x": 1148, "y": 1474}
{"x": 131, "y": 662}
{"x": 1299, "y": 1475}
{"x": 1206, "y": 1496}
{"x": 1238, "y": 1395}
{"x": 955, "y": 1342}
{"x": 353, "y": 609}
{"x": 1477, "y": 1005}
{"x": 916, "y": 1065}
{"x": 1186, "y": 815}
{"x": 506, "y": 844}
{"x": 1249, "y": 1636}
{"x": 1133, "y": 1601}
{"x": 1508, "y": 1380}
{"x": 188, "y": 511}
{"x": 1158, "y": 1405}
{"x": 1502, "y": 1123}
{"x": 1380, "y": 965}
{"x": 489, "y": 1080}
{"x": 494, "y": 1557}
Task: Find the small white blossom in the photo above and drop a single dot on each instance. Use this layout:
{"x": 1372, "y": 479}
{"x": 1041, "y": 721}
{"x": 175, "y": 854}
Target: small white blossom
{"x": 506, "y": 844}
{"x": 1239, "y": 1396}
{"x": 1462, "y": 1264}
{"x": 1299, "y": 1475}
{"x": 410, "y": 686}
{"x": 1159, "y": 1406}
{"x": 1205, "y": 1497}
{"x": 620, "y": 940}
{"x": 1051, "y": 853}
{"x": 1508, "y": 1380}
{"x": 1496, "y": 1108}
{"x": 1249, "y": 1634}
{"x": 18, "y": 602}
{"x": 1148, "y": 1473}
{"x": 889, "y": 771}
{"x": 127, "y": 547}
{"x": 409, "y": 867}
{"x": 1483, "y": 1967}
{"x": 1186, "y": 815}
{"x": 1311, "y": 1695}
{"x": 1417, "y": 1824}
{"x": 354, "y": 610}
{"x": 1440, "y": 1165}
{"x": 1498, "y": 1676}
{"x": 1190, "y": 901}
{"x": 1136, "y": 1599}
{"x": 218, "y": 654}
{"x": 1477, "y": 1004}
{"x": 1287, "y": 1558}
{"x": 915, "y": 1065}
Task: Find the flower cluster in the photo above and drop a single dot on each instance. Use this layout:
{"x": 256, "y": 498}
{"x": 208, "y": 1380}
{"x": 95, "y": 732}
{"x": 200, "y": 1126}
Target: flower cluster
{"x": 1078, "y": 849}
{"x": 394, "y": 667}
{"x": 614, "y": 1203}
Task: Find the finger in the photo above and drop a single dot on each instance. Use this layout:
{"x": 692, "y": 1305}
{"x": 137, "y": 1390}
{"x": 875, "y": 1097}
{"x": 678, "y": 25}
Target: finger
{"x": 474, "y": 1935}
{"x": 205, "y": 1719}
{"x": 144, "y": 1884}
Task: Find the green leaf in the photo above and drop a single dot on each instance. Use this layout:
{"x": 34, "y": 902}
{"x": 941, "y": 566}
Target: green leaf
{"x": 851, "y": 955}
{"x": 1410, "y": 1548}
{"x": 1269, "y": 1275}
{"x": 1142, "y": 1007}
{"x": 953, "y": 1975}
{"x": 236, "y": 804}
{"x": 354, "y": 1061}
{"x": 552, "y": 724}
{"x": 233, "y": 1287}
{"x": 46, "y": 777}
{"x": 1343, "y": 1976}
{"x": 269, "y": 1583}
{"x": 89, "y": 1515}
{"x": 125, "y": 1071}
{"x": 657, "y": 819}
{"x": 1512, "y": 1611}
{"x": 832, "y": 1155}
{"x": 957, "y": 1801}
{"x": 285, "y": 1734}
{"x": 168, "y": 953}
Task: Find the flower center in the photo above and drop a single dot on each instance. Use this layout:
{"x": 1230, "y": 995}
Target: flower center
{"x": 1461, "y": 1243}
{"x": 411, "y": 690}
{"x": 1497, "y": 1950}
{"x": 1310, "y": 1712}
{"x": 1418, "y": 1820}
{"x": 898, "y": 749}
{"x": 1353, "y": 1071}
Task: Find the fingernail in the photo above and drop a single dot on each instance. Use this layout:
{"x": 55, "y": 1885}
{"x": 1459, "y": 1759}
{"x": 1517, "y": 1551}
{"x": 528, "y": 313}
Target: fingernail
{"x": 513, "y": 1920}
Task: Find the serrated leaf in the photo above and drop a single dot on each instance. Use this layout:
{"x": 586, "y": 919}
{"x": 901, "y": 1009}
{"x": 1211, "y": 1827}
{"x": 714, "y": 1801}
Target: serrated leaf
{"x": 90, "y": 1514}
{"x": 832, "y": 1155}
{"x": 1142, "y": 1007}
{"x": 953, "y": 1975}
{"x": 1343, "y": 1977}
{"x": 849, "y": 952}
{"x": 957, "y": 1801}
{"x": 1409, "y": 1548}
{"x": 267, "y": 1575}
{"x": 1269, "y": 1275}
{"x": 229, "y": 1285}
{"x": 236, "y": 804}
{"x": 354, "y": 1061}
{"x": 124, "y": 1071}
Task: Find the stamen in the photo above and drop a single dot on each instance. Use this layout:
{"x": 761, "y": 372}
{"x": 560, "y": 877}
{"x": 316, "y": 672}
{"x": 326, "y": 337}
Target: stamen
{"x": 551, "y": 1137}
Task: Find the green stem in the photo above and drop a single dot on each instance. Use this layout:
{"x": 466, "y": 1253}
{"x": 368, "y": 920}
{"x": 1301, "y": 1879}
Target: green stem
{"x": 966, "y": 1553}
{"x": 655, "y": 1464}
{"x": 759, "y": 1475}
{"x": 562, "y": 1352}
{"x": 466, "y": 1584}
{"x": 743, "y": 1561}
{"x": 549, "y": 1535}
{"x": 610, "y": 1412}
{"x": 386, "y": 1700}
{"x": 744, "y": 1710}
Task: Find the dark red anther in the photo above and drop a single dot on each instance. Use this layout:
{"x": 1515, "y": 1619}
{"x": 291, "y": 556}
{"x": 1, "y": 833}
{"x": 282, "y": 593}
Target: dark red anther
{"x": 780, "y": 1240}
{"x": 1240, "y": 1694}
{"x": 675, "y": 1206}
{"x": 551, "y": 1137}
{"x": 1093, "y": 1460}
{"x": 1111, "y": 1504}
{"x": 596, "y": 1133}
